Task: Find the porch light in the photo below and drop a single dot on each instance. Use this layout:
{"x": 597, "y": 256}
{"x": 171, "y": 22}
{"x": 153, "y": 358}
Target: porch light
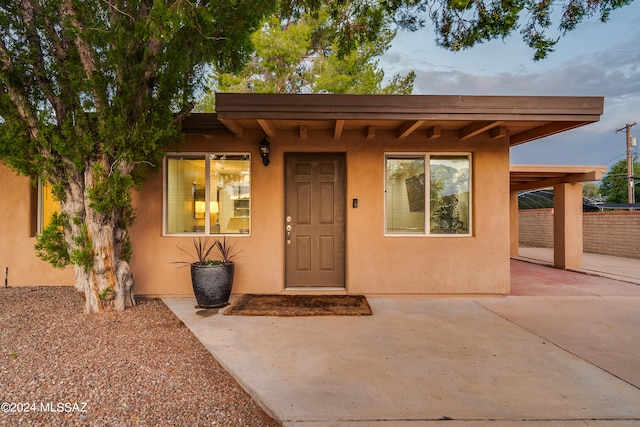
{"x": 265, "y": 150}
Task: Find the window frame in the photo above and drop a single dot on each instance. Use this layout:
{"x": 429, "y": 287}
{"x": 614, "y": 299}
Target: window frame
{"x": 206, "y": 156}
{"x": 426, "y": 157}
{"x": 40, "y": 208}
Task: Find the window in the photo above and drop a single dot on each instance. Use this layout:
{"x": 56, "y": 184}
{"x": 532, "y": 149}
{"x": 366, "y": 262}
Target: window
{"x": 449, "y": 190}
{"x": 47, "y": 205}
{"x": 207, "y": 194}
{"x": 405, "y": 194}
{"x": 406, "y": 189}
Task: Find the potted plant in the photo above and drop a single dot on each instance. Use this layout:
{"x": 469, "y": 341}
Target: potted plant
{"x": 212, "y": 279}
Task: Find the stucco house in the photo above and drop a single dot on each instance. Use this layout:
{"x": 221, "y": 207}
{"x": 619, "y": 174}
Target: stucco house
{"x": 356, "y": 194}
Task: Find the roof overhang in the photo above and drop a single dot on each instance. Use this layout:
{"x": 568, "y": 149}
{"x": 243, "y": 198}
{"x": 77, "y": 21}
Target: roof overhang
{"x": 531, "y": 177}
{"x": 521, "y": 118}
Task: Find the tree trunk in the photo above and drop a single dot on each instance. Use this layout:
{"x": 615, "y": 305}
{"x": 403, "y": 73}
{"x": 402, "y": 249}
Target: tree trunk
{"x": 105, "y": 289}
{"x": 102, "y": 277}
{"x": 110, "y": 278}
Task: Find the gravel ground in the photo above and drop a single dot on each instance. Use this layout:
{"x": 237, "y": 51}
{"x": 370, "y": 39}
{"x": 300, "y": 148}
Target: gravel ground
{"x": 140, "y": 367}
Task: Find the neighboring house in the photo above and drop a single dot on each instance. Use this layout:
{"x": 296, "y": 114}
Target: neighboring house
{"x": 372, "y": 194}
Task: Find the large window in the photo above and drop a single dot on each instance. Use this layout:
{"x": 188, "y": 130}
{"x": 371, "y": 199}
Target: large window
{"x": 207, "y": 194}
{"x": 448, "y": 188}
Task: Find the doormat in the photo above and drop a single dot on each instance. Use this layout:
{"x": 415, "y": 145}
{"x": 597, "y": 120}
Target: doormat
{"x": 299, "y": 305}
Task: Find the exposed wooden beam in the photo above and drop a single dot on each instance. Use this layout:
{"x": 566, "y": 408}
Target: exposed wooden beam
{"x": 233, "y": 126}
{"x": 408, "y": 128}
{"x": 498, "y": 132}
{"x": 267, "y": 127}
{"x": 337, "y": 131}
{"x": 476, "y": 129}
{"x": 542, "y": 131}
{"x": 303, "y": 132}
{"x": 371, "y": 132}
{"x": 434, "y": 132}
{"x": 550, "y": 182}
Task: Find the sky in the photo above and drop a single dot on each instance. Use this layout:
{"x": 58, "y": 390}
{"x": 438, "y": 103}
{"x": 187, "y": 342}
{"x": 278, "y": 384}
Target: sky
{"x": 595, "y": 59}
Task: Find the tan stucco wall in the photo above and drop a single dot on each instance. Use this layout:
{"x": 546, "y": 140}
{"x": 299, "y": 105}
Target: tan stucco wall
{"x": 375, "y": 263}
{"x": 16, "y": 243}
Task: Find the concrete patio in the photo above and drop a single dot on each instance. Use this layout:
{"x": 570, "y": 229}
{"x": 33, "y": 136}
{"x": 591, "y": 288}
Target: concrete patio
{"x": 562, "y": 350}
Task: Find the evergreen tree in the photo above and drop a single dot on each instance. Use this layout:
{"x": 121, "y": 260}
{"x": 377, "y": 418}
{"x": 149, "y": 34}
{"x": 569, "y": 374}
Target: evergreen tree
{"x": 461, "y": 24}
{"x": 302, "y": 55}
{"x": 91, "y": 92}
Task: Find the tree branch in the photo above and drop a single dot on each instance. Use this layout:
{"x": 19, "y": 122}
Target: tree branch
{"x": 17, "y": 95}
{"x": 87, "y": 56}
{"x": 26, "y": 11}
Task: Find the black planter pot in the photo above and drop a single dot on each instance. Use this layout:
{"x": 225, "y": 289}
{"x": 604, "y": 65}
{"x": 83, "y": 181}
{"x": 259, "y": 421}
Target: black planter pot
{"x": 212, "y": 284}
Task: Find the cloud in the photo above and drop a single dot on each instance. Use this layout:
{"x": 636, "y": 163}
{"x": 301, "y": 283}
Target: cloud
{"x": 594, "y": 60}
{"x": 614, "y": 73}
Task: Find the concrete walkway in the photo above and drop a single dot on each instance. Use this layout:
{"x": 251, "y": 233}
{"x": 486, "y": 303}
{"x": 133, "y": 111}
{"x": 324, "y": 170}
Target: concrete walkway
{"x": 563, "y": 350}
{"x": 626, "y": 269}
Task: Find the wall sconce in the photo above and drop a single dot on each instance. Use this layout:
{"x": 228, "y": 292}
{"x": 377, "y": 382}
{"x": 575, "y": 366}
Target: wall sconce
{"x": 265, "y": 150}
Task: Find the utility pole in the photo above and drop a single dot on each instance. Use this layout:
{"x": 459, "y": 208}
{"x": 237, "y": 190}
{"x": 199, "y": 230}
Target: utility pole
{"x": 630, "y": 180}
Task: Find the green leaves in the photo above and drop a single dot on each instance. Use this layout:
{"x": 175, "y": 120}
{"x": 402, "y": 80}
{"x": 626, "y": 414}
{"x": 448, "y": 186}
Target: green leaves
{"x": 110, "y": 191}
{"x": 306, "y": 52}
{"x": 50, "y": 245}
{"x": 615, "y": 183}
{"x": 462, "y": 24}
{"x": 91, "y": 93}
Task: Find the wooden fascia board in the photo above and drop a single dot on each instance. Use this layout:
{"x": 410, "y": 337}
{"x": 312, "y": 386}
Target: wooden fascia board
{"x": 203, "y": 124}
{"x": 392, "y": 105}
{"x": 409, "y": 107}
{"x": 543, "y": 131}
{"x": 267, "y": 127}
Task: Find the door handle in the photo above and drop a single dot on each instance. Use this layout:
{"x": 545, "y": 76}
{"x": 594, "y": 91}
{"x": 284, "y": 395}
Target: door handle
{"x": 288, "y": 234}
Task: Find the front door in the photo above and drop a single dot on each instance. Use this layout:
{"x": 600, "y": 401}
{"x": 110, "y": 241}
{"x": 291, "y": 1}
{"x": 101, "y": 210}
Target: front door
{"x": 314, "y": 220}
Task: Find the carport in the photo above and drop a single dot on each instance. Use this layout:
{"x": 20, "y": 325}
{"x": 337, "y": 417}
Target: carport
{"x": 567, "y": 206}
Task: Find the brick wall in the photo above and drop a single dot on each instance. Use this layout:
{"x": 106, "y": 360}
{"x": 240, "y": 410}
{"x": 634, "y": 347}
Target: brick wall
{"x": 607, "y": 233}
{"x": 612, "y": 233}
{"x": 535, "y": 228}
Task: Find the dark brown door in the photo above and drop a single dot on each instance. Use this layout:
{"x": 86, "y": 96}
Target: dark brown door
{"x": 314, "y": 220}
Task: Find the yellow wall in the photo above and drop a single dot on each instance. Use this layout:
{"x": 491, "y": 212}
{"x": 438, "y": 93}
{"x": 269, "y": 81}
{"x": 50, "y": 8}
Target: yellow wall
{"x": 375, "y": 263}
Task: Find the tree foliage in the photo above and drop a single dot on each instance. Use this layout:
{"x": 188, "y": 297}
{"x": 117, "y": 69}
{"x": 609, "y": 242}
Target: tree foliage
{"x": 590, "y": 190}
{"x": 90, "y": 94}
{"x": 461, "y": 24}
{"x": 302, "y": 54}
{"x": 615, "y": 185}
